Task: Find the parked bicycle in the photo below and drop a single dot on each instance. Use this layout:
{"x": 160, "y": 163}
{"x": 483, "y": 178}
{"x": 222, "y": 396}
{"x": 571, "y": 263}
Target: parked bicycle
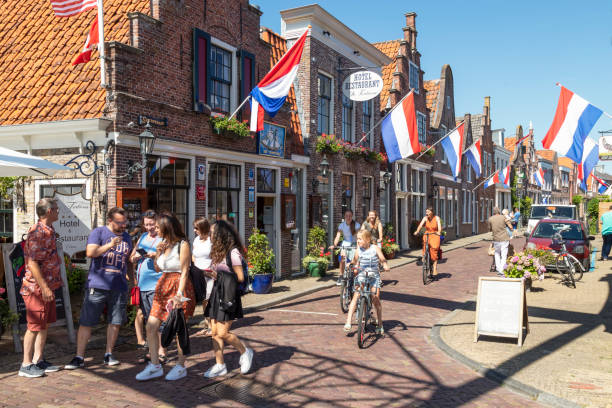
{"x": 347, "y": 287}
{"x": 568, "y": 266}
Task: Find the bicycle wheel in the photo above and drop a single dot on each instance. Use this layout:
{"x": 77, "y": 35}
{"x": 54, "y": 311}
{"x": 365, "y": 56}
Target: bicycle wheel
{"x": 345, "y": 295}
{"x": 362, "y": 316}
{"x": 426, "y": 267}
{"x": 577, "y": 267}
{"x": 565, "y": 269}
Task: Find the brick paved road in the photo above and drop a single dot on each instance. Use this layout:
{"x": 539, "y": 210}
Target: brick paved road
{"x": 305, "y": 359}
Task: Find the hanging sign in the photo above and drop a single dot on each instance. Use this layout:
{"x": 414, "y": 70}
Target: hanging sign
{"x": 605, "y": 148}
{"x": 74, "y": 222}
{"x": 362, "y": 85}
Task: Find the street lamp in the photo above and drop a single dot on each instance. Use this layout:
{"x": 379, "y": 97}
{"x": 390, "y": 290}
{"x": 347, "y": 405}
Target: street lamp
{"x": 87, "y": 165}
{"x": 386, "y": 178}
{"x": 324, "y": 166}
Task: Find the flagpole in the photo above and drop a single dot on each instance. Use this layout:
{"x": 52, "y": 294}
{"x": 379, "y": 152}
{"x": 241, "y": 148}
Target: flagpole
{"x": 101, "y": 44}
{"x": 240, "y": 106}
{"x": 485, "y": 180}
{"x": 604, "y": 112}
{"x": 445, "y": 136}
{"x": 381, "y": 119}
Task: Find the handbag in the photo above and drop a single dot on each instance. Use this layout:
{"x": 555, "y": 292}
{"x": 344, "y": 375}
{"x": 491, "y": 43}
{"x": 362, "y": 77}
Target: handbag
{"x": 135, "y": 296}
{"x": 491, "y": 250}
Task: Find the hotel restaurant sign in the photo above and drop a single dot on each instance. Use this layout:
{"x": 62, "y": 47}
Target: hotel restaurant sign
{"x": 362, "y": 85}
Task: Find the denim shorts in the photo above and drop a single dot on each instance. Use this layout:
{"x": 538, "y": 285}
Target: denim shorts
{"x": 93, "y": 305}
{"x": 146, "y": 302}
{"x": 373, "y": 278}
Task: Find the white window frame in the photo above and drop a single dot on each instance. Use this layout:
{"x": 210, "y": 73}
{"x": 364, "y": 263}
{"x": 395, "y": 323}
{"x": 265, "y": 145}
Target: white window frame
{"x": 351, "y": 136}
{"x": 414, "y": 68}
{"x": 418, "y": 191}
{"x": 422, "y": 124}
{"x": 234, "y": 88}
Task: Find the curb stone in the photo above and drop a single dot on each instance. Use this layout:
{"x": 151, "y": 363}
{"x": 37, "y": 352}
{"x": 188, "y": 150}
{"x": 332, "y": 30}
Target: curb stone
{"x": 266, "y": 304}
{"x": 494, "y": 375}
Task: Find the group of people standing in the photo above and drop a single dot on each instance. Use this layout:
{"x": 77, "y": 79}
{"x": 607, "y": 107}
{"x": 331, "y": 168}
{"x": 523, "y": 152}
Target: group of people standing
{"x": 160, "y": 263}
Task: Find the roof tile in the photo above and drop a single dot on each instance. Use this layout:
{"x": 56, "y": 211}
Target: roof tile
{"x": 390, "y": 49}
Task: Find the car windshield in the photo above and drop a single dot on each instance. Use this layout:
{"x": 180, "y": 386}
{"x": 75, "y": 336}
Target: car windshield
{"x": 551, "y": 211}
{"x": 548, "y": 229}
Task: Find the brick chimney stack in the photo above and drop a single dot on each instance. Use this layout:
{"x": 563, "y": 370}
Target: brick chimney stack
{"x": 487, "y": 109}
{"x": 410, "y": 32}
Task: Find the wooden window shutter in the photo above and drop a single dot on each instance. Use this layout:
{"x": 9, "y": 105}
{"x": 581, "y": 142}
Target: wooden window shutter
{"x": 247, "y": 80}
{"x": 201, "y": 71}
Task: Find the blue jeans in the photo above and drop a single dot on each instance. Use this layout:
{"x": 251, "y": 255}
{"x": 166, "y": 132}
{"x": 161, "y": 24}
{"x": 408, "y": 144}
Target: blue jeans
{"x": 607, "y": 244}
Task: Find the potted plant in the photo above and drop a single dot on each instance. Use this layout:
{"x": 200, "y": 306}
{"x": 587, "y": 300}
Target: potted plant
{"x": 525, "y": 266}
{"x": 327, "y": 144}
{"x": 7, "y": 316}
{"x": 317, "y": 260}
{"x": 261, "y": 262}
{"x": 389, "y": 247}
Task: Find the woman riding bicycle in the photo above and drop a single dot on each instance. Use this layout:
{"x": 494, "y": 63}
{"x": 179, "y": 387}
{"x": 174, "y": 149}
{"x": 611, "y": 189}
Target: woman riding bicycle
{"x": 373, "y": 225}
{"x": 367, "y": 257}
{"x": 433, "y": 227}
{"x": 347, "y": 230}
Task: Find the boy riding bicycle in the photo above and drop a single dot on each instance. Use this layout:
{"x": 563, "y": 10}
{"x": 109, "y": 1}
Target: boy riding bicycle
{"x": 367, "y": 257}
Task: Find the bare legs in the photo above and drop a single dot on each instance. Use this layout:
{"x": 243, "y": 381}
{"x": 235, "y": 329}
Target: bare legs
{"x": 139, "y": 327}
{"x": 33, "y": 346}
{"x": 220, "y": 335}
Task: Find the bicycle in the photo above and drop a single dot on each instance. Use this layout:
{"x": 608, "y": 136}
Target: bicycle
{"x": 427, "y": 264}
{"x": 347, "y": 288}
{"x": 364, "y": 308}
{"x": 568, "y": 266}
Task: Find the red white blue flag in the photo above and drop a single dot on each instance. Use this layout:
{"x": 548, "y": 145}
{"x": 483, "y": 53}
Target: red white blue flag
{"x": 603, "y": 187}
{"x": 69, "y": 8}
{"x": 500, "y": 176}
{"x": 574, "y": 119}
{"x": 270, "y": 93}
{"x": 474, "y": 156}
{"x": 590, "y": 157}
{"x": 538, "y": 177}
{"x": 453, "y": 146}
{"x": 400, "y": 132}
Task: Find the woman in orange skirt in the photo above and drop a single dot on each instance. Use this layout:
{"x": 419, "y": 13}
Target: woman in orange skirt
{"x": 173, "y": 258}
{"x": 432, "y": 224}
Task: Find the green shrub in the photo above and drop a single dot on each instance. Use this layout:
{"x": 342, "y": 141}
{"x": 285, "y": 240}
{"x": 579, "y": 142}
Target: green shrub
{"x": 577, "y": 199}
{"x": 317, "y": 240}
{"x": 259, "y": 254}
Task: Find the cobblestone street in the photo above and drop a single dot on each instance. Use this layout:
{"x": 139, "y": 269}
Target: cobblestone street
{"x": 303, "y": 358}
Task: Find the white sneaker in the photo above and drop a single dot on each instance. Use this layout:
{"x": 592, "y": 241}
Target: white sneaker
{"x": 177, "y": 372}
{"x": 246, "y": 359}
{"x": 215, "y": 371}
{"x": 151, "y": 371}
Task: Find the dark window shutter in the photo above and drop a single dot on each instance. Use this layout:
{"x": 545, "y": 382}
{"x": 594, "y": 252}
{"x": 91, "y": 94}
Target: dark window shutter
{"x": 201, "y": 51}
{"x": 247, "y": 77}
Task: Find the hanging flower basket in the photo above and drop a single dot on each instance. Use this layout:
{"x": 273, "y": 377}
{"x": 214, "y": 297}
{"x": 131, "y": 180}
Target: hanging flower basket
{"x": 327, "y": 144}
{"x": 232, "y": 128}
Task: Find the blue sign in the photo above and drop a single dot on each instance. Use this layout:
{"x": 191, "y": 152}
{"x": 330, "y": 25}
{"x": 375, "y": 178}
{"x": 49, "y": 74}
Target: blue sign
{"x": 271, "y": 140}
{"x": 251, "y": 174}
{"x": 251, "y": 194}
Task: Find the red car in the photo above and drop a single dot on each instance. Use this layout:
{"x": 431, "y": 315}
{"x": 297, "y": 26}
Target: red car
{"x": 575, "y": 237}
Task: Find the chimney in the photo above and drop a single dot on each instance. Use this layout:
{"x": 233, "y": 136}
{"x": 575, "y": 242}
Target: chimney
{"x": 487, "y": 109}
{"x": 410, "y": 32}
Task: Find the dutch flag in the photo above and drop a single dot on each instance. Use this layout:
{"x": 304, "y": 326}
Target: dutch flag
{"x": 603, "y": 187}
{"x": 500, "y": 176}
{"x": 538, "y": 177}
{"x": 473, "y": 155}
{"x": 492, "y": 180}
{"x": 453, "y": 146}
{"x": 271, "y": 92}
{"x": 574, "y": 119}
{"x": 590, "y": 157}
{"x": 399, "y": 130}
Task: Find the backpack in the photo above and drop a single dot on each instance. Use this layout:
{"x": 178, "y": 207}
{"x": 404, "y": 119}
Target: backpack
{"x": 243, "y": 287}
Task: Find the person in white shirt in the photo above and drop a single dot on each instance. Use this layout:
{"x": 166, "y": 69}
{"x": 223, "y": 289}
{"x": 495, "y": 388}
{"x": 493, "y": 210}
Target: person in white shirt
{"x": 348, "y": 231}
{"x": 201, "y": 259}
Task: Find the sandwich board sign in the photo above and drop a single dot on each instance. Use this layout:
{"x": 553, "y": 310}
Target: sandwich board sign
{"x": 14, "y": 270}
{"x": 501, "y": 308}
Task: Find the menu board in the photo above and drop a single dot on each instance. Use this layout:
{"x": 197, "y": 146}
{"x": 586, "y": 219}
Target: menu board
{"x": 134, "y": 210}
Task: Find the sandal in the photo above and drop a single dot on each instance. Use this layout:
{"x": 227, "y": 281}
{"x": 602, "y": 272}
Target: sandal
{"x": 163, "y": 359}
{"x": 380, "y": 330}
{"x": 144, "y": 359}
{"x": 347, "y": 327}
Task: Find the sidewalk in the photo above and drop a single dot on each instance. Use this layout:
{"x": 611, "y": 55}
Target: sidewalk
{"x": 566, "y": 358}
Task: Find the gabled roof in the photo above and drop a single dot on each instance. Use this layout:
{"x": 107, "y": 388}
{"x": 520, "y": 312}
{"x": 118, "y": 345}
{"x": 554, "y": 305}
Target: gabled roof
{"x": 390, "y": 49}
{"x": 547, "y": 155}
{"x": 39, "y": 83}
{"x": 432, "y": 89}
{"x": 477, "y": 122}
{"x": 566, "y": 162}
{"x": 278, "y": 47}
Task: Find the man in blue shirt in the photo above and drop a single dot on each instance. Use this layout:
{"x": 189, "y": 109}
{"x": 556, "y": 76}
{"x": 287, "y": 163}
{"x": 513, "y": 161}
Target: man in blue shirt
{"x": 109, "y": 248}
{"x": 606, "y": 234}
{"x": 517, "y": 217}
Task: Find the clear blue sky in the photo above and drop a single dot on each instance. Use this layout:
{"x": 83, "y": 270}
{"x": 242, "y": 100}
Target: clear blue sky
{"x": 513, "y": 51}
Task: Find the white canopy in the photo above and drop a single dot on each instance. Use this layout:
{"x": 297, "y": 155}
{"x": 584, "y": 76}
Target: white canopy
{"x": 13, "y": 164}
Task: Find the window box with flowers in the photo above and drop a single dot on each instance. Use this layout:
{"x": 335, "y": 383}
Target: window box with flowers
{"x": 227, "y": 127}
{"x": 327, "y": 144}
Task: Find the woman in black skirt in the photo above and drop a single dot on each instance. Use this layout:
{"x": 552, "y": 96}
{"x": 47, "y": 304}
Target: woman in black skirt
{"x": 224, "y": 305}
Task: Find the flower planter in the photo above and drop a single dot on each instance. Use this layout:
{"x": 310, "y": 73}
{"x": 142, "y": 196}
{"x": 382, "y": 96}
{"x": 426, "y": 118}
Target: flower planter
{"x": 390, "y": 255}
{"x": 262, "y": 283}
{"x": 317, "y": 270}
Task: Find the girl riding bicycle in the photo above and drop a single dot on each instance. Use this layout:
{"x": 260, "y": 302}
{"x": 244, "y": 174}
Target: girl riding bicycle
{"x": 367, "y": 256}
{"x": 432, "y": 225}
{"x": 347, "y": 230}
